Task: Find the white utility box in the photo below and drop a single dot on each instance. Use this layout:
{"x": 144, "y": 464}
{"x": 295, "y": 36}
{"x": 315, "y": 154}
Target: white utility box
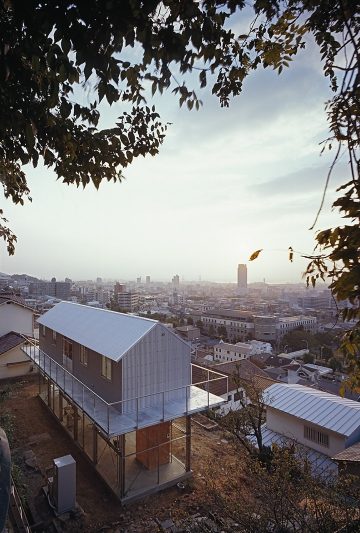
{"x": 64, "y": 484}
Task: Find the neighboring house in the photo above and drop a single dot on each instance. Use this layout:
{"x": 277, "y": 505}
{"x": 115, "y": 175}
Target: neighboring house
{"x": 319, "y": 421}
{"x": 189, "y": 333}
{"x": 121, "y": 386}
{"x": 13, "y": 361}
{"x": 265, "y": 360}
{"x": 232, "y": 391}
{"x": 348, "y": 460}
{"x": 296, "y": 372}
{"x": 16, "y": 321}
{"x": 226, "y": 352}
{"x": 16, "y": 316}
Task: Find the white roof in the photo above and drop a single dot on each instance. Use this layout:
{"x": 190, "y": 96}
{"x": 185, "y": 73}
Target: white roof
{"x": 321, "y": 408}
{"x": 106, "y": 332}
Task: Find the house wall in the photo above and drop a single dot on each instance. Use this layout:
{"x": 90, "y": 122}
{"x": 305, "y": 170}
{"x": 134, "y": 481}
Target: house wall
{"x": 228, "y": 354}
{"x": 293, "y": 427}
{"x": 90, "y": 375}
{"x": 354, "y": 437}
{"x": 231, "y": 404}
{"x": 159, "y": 362}
{"x": 14, "y": 317}
{"x": 23, "y": 365}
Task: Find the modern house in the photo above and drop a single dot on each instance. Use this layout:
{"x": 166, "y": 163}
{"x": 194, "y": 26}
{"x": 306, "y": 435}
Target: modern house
{"x": 121, "y": 385}
{"x": 322, "y": 423}
{"x": 16, "y": 321}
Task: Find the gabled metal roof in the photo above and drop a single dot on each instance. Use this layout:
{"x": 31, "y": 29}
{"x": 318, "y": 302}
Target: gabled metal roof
{"x": 321, "y": 408}
{"x": 321, "y": 464}
{"x": 106, "y": 332}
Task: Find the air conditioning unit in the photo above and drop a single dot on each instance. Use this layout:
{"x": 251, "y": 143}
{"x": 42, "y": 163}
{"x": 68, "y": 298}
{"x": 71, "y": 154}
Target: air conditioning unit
{"x": 64, "y": 484}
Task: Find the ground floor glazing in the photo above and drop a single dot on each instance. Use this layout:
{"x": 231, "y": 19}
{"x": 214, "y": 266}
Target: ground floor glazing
{"x": 132, "y": 464}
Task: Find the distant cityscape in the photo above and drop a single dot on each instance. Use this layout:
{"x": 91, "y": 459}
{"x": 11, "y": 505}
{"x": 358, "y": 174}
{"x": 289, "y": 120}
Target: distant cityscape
{"x": 127, "y": 368}
{"x": 235, "y": 312}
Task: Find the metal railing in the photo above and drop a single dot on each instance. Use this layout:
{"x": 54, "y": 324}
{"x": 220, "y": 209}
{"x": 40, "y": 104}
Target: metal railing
{"x": 17, "y": 513}
{"x": 125, "y": 415}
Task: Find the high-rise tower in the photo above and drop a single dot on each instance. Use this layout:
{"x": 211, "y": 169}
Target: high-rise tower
{"x": 242, "y": 279}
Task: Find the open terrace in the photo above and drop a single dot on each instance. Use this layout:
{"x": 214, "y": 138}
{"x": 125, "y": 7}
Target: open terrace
{"x": 130, "y": 414}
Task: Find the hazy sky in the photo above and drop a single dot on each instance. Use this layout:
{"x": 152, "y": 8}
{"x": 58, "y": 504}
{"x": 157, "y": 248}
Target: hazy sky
{"x": 226, "y": 182}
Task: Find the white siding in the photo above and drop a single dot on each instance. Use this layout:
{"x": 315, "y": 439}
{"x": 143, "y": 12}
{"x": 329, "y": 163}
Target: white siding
{"x": 16, "y": 355}
{"x": 293, "y": 427}
{"x": 13, "y": 317}
{"x": 159, "y": 362}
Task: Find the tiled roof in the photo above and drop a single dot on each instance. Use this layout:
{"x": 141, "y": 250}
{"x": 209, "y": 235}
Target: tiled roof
{"x": 243, "y": 370}
{"x": 10, "y": 341}
{"x": 4, "y": 298}
{"x": 351, "y": 454}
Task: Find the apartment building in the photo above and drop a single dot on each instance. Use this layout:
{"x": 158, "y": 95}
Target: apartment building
{"x": 56, "y": 289}
{"x": 272, "y": 328}
{"x": 239, "y": 325}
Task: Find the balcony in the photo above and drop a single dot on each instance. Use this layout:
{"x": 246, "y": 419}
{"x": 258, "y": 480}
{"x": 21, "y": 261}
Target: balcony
{"x": 127, "y": 415}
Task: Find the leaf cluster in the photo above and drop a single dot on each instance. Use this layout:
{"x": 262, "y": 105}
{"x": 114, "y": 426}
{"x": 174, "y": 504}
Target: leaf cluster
{"x": 285, "y": 497}
{"x": 51, "y": 53}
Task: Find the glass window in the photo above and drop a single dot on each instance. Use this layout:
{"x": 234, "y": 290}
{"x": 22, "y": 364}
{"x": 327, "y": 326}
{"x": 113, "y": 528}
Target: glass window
{"x": 54, "y": 336}
{"x": 83, "y": 355}
{"x": 316, "y": 436}
{"x": 67, "y": 348}
{"x": 106, "y": 367}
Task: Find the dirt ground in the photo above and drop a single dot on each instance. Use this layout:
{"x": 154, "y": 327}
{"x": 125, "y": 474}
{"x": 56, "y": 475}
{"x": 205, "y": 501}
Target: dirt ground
{"x": 103, "y": 512}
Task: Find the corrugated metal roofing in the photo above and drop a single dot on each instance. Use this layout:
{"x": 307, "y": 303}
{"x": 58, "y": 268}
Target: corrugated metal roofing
{"x": 106, "y": 332}
{"x": 321, "y": 464}
{"x": 321, "y": 408}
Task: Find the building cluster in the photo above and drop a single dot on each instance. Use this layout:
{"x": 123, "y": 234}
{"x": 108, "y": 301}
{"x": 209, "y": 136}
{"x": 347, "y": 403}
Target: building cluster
{"x": 238, "y": 325}
{"x": 124, "y": 387}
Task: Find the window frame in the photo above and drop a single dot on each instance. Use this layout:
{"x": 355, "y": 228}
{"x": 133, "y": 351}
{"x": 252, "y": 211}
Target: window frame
{"x": 316, "y": 436}
{"x": 84, "y": 355}
{"x": 106, "y": 367}
{"x": 68, "y": 348}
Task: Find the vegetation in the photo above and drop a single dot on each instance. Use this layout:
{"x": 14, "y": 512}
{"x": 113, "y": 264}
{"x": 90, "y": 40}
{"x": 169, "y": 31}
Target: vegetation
{"x": 321, "y": 344}
{"x": 308, "y": 358}
{"x": 336, "y": 364}
{"x": 222, "y": 332}
{"x": 283, "y": 497}
{"x": 245, "y": 423}
{"x": 118, "y": 52}
{"x": 275, "y": 489}
{"x": 7, "y": 423}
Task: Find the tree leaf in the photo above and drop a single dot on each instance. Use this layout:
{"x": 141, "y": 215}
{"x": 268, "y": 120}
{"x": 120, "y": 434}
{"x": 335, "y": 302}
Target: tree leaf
{"x": 255, "y": 255}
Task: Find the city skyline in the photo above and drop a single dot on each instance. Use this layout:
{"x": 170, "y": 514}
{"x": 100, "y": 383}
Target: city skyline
{"x": 154, "y": 280}
{"x": 225, "y": 183}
